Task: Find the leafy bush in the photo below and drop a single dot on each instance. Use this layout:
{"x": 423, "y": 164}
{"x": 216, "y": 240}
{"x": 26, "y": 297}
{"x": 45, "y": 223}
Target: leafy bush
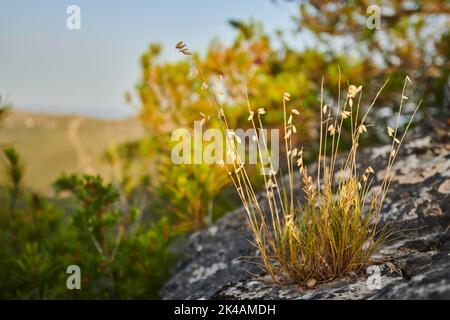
{"x": 170, "y": 97}
{"x": 120, "y": 257}
{"x": 190, "y": 191}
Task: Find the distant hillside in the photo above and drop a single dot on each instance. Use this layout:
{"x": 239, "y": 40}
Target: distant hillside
{"x": 52, "y": 144}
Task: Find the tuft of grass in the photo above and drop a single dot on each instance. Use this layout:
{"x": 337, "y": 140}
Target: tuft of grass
{"x": 332, "y": 226}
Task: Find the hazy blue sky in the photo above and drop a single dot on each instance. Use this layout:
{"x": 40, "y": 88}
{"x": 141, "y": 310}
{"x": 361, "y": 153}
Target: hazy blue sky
{"x": 46, "y": 67}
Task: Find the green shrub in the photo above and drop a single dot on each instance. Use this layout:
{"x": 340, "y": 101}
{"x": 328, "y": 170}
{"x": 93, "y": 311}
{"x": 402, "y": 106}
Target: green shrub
{"x": 119, "y": 256}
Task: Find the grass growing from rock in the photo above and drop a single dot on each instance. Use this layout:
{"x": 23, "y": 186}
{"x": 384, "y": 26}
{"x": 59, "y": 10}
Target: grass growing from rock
{"x": 332, "y": 227}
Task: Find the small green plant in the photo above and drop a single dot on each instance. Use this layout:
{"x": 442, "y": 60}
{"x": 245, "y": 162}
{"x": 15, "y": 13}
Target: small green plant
{"x": 190, "y": 192}
{"x": 14, "y": 172}
{"x": 119, "y": 255}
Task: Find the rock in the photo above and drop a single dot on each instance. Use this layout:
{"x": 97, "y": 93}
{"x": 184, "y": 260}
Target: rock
{"x": 416, "y": 266}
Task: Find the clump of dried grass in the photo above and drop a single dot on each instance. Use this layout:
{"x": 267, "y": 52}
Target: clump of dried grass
{"x": 333, "y": 227}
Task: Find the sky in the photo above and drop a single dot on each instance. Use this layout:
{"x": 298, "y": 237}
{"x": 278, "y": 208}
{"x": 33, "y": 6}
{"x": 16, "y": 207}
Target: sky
{"x": 46, "y": 67}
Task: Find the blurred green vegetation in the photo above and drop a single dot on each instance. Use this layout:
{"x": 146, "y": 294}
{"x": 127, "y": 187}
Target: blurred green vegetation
{"x": 120, "y": 256}
{"x": 121, "y": 229}
{"x": 413, "y": 39}
{"x": 174, "y": 95}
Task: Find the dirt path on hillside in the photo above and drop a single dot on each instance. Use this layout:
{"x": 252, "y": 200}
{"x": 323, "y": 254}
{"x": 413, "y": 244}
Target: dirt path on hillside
{"x": 83, "y": 158}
